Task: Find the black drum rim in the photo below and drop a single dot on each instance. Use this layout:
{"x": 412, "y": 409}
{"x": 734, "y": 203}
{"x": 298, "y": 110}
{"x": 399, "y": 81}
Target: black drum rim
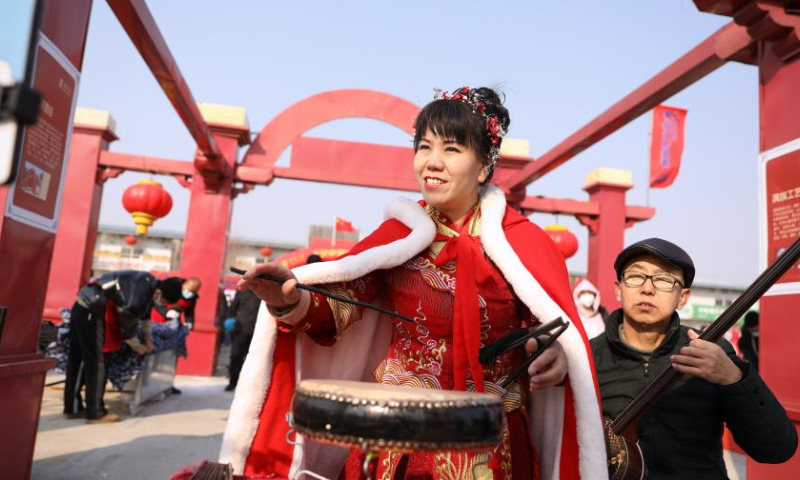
{"x": 405, "y": 425}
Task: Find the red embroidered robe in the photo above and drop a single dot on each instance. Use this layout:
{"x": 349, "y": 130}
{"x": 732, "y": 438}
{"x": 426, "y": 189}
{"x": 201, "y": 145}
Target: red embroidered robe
{"x": 421, "y": 354}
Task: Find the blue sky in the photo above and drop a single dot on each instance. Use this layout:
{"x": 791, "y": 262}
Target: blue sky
{"x": 560, "y": 64}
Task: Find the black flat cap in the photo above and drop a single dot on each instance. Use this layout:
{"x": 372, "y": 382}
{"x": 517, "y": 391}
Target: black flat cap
{"x": 658, "y": 247}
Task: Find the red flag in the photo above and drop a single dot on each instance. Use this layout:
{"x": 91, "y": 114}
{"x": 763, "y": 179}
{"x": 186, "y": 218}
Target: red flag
{"x": 343, "y": 225}
{"x": 666, "y": 146}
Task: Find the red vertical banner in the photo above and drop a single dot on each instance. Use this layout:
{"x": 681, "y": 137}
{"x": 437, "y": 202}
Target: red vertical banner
{"x": 666, "y": 145}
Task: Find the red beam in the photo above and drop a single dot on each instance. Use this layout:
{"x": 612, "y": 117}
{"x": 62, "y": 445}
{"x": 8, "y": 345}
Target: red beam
{"x": 576, "y": 207}
{"x": 558, "y": 205}
{"x": 353, "y": 158}
{"x": 703, "y": 59}
{"x": 141, "y": 163}
{"x": 137, "y": 21}
{"x": 326, "y": 176}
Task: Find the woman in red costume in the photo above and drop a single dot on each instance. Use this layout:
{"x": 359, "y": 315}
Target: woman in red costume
{"x": 468, "y": 269}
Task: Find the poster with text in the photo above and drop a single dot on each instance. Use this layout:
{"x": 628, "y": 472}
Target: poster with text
{"x": 35, "y": 196}
{"x": 781, "y": 209}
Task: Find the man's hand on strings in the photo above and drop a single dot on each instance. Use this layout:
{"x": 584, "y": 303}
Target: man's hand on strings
{"x": 275, "y": 294}
{"x": 706, "y": 360}
{"x": 549, "y": 369}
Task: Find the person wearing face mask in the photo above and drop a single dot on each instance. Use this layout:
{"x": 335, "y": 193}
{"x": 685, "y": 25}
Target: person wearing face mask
{"x": 469, "y": 269}
{"x": 171, "y": 312}
{"x": 681, "y": 437}
{"x": 189, "y": 295}
{"x": 748, "y": 342}
{"x": 587, "y": 301}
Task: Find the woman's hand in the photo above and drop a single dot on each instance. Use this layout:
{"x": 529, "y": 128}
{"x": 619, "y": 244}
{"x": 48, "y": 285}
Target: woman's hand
{"x": 273, "y": 293}
{"x": 549, "y": 369}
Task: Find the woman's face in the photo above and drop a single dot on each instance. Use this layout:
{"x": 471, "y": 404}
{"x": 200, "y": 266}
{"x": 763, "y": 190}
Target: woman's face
{"x": 448, "y": 174}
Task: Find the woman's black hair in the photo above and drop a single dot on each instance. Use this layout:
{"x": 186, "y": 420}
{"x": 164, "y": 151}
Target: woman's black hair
{"x": 456, "y": 121}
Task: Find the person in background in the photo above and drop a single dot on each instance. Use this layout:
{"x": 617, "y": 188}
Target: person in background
{"x": 748, "y": 342}
{"x": 587, "y": 300}
{"x": 170, "y": 312}
{"x": 104, "y": 318}
{"x": 189, "y": 297}
{"x": 245, "y": 310}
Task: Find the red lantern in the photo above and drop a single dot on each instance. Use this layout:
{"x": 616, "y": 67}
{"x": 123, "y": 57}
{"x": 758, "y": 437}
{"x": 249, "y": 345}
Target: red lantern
{"x": 565, "y": 240}
{"x": 130, "y": 240}
{"x": 266, "y": 251}
{"x": 147, "y": 201}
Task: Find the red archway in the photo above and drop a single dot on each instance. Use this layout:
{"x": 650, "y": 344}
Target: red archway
{"x": 306, "y": 114}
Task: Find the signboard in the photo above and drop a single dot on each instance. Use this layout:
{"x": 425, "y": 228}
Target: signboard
{"x": 35, "y": 197}
{"x": 780, "y": 210}
{"x": 703, "y": 312}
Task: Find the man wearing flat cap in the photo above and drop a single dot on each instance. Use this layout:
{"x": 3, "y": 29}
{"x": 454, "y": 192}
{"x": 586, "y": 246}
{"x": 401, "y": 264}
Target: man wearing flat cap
{"x": 682, "y": 436}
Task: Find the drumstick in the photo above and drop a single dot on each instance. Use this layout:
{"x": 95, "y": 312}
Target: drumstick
{"x": 310, "y": 288}
{"x": 515, "y": 338}
{"x": 538, "y": 352}
{"x": 535, "y": 333}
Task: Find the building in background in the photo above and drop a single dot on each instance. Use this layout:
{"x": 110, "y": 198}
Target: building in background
{"x": 160, "y": 250}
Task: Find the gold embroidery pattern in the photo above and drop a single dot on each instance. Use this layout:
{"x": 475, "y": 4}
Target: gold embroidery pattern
{"x": 462, "y": 466}
{"x": 389, "y": 464}
{"x": 438, "y": 278}
{"x": 475, "y": 224}
{"x": 503, "y": 452}
{"x": 391, "y": 371}
{"x": 344, "y": 314}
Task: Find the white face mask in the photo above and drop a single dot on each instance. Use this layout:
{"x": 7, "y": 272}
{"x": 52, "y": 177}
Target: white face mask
{"x": 188, "y": 294}
{"x": 586, "y": 299}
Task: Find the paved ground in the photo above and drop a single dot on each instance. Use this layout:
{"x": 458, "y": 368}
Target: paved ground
{"x": 166, "y": 434}
{"x": 163, "y": 437}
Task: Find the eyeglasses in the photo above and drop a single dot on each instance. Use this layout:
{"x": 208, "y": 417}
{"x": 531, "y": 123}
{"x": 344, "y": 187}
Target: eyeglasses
{"x": 662, "y": 282}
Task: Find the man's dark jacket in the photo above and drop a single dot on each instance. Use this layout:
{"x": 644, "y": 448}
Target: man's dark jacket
{"x": 682, "y": 437}
{"x": 130, "y": 290}
{"x": 245, "y": 308}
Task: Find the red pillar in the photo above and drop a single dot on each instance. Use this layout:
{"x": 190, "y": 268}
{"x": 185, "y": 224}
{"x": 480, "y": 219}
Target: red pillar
{"x": 93, "y": 131}
{"x": 206, "y": 239}
{"x": 26, "y": 247}
{"x": 606, "y": 188}
{"x": 779, "y": 334}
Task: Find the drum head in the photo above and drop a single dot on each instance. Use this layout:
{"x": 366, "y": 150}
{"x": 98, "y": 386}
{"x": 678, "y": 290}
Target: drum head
{"x": 374, "y": 417}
